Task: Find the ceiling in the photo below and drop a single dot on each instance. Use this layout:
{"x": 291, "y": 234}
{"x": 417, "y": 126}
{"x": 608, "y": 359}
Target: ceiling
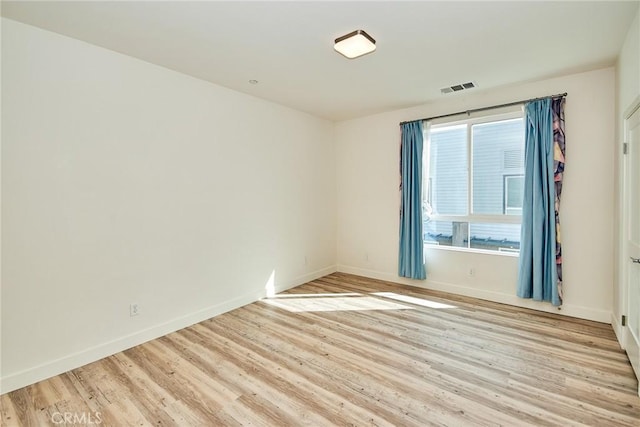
{"x": 288, "y": 46}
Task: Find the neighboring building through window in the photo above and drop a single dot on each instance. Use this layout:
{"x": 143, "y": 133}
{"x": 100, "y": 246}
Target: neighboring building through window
{"x": 474, "y": 177}
{"x": 513, "y": 187}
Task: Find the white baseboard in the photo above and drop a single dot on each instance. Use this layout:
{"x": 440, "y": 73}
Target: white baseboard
{"x": 56, "y": 367}
{"x": 587, "y": 313}
{"x": 619, "y": 330}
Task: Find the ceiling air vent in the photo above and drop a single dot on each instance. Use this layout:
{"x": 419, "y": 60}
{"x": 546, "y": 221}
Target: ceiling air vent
{"x": 458, "y": 87}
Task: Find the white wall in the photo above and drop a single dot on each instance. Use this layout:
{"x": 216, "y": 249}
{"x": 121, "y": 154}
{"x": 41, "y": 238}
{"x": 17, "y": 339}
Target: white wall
{"x": 627, "y": 95}
{"x": 368, "y": 199}
{"x": 124, "y": 182}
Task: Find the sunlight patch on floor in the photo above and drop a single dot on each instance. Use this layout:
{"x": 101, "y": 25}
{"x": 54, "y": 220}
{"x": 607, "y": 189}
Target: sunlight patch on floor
{"x": 334, "y": 303}
{"x": 284, "y": 296}
{"x": 413, "y": 300}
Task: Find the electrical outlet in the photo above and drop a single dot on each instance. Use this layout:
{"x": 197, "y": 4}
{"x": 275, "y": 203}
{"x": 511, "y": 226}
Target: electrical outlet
{"x": 134, "y": 310}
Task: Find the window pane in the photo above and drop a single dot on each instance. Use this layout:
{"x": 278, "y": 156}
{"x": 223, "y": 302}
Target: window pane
{"x": 446, "y": 233}
{"x": 498, "y": 151}
{"x": 448, "y": 170}
{"x": 495, "y": 237}
{"x": 514, "y": 189}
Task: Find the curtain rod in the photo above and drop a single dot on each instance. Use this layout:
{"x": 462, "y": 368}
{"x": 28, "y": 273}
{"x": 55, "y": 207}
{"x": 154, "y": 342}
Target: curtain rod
{"x": 475, "y": 110}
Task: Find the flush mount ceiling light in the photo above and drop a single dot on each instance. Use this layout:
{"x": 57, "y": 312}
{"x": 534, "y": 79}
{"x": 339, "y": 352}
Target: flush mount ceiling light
{"x": 355, "y": 44}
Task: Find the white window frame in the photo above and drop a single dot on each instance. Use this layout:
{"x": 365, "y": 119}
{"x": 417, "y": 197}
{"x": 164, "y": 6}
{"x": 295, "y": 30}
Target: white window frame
{"x": 473, "y": 119}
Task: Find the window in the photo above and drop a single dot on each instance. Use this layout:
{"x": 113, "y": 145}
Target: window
{"x": 474, "y": 180}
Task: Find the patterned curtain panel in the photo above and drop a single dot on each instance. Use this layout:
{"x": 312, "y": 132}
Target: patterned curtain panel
{"x": 411, "y": 256}
{"x": 538, "y": 272}
{"x": 557, "y": 105}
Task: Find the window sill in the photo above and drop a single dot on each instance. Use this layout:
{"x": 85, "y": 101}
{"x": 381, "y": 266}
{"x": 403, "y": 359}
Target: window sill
{"x": 471, "y": 250}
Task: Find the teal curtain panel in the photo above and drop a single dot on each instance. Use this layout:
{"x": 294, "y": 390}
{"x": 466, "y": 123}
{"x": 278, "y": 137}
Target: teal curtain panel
{"x": 538, "y": 275}
{"x": 411, "y": 256}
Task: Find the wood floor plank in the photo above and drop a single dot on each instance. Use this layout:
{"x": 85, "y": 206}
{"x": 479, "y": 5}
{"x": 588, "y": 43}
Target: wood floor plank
{"x": 397, "y": 366}
{"x": 390, "y": 372}
{"x": 305, "y": 362}
{"x": 9, "y": 415}
{"x": 345, "y": 350}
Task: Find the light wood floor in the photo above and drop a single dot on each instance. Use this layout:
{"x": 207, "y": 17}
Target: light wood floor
{"x": 349, "y": 351}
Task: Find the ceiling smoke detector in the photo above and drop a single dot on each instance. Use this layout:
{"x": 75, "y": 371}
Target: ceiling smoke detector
{"x": 458, "y": 87}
